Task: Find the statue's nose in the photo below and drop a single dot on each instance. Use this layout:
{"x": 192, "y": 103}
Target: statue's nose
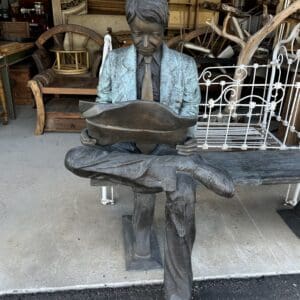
{"x": 146, "y": 41}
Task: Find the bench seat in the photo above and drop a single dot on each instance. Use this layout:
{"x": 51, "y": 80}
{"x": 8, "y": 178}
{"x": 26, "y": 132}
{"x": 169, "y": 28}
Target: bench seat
{"x": 258, "y": 167}
{"x": 72, "y": 86}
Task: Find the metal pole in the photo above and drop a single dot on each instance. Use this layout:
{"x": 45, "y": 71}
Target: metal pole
{"x": 107, "y": 195}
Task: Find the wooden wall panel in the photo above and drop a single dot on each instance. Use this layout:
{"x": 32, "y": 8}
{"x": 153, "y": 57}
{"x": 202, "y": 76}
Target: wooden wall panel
{"x": 183, "y": 13}
{"x": 109, "y": 7}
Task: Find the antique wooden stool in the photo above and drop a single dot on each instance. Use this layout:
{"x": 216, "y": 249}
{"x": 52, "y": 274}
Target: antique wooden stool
{"x": 4, "y": 114}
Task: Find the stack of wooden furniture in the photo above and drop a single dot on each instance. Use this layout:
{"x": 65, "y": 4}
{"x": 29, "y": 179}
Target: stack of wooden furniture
{"x": 11, "y": 54}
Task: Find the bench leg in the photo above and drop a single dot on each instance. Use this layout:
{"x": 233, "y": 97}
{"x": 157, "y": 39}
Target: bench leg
{"x": 296, "y": 195}
{"x": 142, "y": 221}
{"x": 295, "y": 200}
{"x": 140, "y": 241}
{"x": 38, "y": 97}
{"x": 291, "y": 216}
{"x": 107, "y": 195}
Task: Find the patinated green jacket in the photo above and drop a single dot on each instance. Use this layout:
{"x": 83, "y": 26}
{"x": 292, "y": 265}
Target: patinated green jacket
{"x": 179, "y": 88}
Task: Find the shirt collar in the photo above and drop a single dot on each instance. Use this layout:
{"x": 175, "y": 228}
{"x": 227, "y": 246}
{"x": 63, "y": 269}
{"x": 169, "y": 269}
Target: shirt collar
{"x": 156, "y": 56}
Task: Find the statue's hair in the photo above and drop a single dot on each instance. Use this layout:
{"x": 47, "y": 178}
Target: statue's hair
{"x": 154, "y": 11}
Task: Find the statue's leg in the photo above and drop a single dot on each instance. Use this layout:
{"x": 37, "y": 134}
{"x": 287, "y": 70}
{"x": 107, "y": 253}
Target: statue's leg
{"x": 180, "y": 236}
{"x": 142, "y": 221}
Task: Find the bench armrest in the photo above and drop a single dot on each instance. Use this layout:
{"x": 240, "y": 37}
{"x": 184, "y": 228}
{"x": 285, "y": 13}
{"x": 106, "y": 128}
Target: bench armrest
{"x": 45, "y": 78}
{"x": 42, "y": 59}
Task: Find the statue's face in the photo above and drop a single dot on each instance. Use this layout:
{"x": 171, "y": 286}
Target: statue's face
{"x": 147, "y": 37}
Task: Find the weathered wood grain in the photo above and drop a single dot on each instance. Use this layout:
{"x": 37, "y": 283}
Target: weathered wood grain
{"x": 258, "y": 167}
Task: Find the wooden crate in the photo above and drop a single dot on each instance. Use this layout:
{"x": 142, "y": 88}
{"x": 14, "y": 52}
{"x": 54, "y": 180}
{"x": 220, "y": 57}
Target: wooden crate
{"x": 20, "y": 74}
{"x": 62, "y": 115}
{"x": 10, "y": 30}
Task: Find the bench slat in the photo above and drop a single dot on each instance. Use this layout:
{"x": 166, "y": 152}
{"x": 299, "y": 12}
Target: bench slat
{"x": 258, "y": 167}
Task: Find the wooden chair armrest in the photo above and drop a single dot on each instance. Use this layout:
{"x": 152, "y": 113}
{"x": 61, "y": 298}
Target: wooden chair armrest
{"x": 45, "y": 78}
{"x": 42, "y": 59}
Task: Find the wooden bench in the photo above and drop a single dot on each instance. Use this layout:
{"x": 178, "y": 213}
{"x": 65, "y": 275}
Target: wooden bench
{"x": 258, "y": 167}
{"x": 254, "y": 107}
{"x": 268, "y": 167}
{"x": 62, "y": 114}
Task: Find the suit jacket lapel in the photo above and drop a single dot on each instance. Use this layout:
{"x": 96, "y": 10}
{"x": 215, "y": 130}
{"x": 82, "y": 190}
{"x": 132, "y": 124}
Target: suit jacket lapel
{"x": 127, "y": 74}
{"x": 166, "y": 75}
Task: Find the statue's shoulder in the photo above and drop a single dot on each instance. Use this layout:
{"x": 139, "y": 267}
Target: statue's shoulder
{"x": 119, "y": 53}
{"x": 180, "y": 57}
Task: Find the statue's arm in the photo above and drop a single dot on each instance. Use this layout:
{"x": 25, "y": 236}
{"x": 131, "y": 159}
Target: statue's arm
{"x": 104, "y": 88}
{"x": 103, "y": 96}
{"x": 191, "y": 90}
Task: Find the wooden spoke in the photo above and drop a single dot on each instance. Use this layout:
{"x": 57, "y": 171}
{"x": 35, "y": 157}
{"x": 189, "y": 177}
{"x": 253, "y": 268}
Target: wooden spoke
{"x": 58, "y": 40}
{"x": 85, "y": 42}
{"x": 71, "y": 41}
{"x": 188, "y": 37}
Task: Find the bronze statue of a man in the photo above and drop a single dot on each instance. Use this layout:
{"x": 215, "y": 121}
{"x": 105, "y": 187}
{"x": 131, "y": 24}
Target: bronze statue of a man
{"x": 150, "y": 71}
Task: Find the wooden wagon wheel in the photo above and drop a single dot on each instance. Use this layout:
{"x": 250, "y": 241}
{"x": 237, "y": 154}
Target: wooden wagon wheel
{"x": 202, "y": 42}
{"x": 200, "y": 36}
{"x": 57, "y": 31}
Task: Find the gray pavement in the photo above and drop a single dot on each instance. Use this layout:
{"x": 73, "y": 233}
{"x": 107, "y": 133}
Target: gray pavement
{"x": 56, "y": 235}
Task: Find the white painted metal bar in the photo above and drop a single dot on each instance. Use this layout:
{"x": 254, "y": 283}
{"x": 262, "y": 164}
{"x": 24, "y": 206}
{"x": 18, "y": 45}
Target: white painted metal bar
{"x": 295, "y": 199}
{"x": 107, "y": 195}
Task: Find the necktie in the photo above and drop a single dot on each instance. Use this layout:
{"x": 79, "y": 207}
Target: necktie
{"x": 147, "y": 87}
{"x": 147, "y": 94}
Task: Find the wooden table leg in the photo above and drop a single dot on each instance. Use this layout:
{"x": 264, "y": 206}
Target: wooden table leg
{"x": 3, "y": 103}
{"x": 7, "y": 91}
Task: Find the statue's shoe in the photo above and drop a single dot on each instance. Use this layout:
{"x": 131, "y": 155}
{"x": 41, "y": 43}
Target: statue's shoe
{"x": 215, "y": 179}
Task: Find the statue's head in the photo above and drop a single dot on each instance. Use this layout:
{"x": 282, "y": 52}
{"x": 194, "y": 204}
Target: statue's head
{"x": 148, "y": 20}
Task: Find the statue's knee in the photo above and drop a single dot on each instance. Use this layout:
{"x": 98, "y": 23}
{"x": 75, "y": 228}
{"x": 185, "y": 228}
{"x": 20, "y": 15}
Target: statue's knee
{"x": 71, "y": 158}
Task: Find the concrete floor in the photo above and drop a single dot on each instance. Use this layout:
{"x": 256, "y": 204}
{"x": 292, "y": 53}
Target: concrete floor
{"x": 56, "y": 235}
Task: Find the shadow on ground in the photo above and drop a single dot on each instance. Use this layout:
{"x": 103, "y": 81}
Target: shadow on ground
{"x": 273, "y": 287}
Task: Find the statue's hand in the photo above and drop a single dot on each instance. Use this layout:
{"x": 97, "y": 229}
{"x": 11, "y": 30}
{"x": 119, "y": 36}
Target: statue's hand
{"x": 86, "y": 139}
{"x": 189, "y": 147}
